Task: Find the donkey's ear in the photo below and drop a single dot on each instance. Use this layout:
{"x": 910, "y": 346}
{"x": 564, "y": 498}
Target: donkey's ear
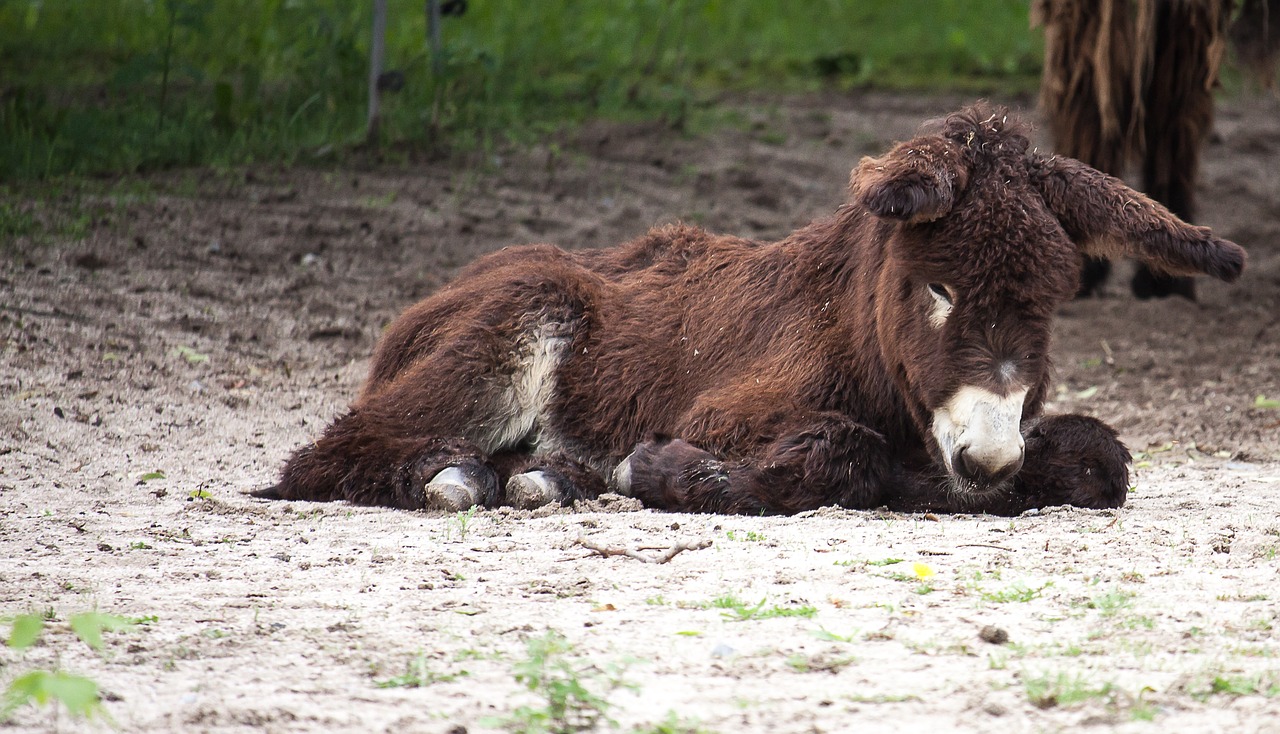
{"x": 1107, "y": 219}
{"x": 917, "y": 181}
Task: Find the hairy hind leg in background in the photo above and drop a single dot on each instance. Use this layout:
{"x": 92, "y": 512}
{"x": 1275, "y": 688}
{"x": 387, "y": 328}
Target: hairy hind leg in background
{"x": 1179, "y": 115}
{"x": 460, "y": 389}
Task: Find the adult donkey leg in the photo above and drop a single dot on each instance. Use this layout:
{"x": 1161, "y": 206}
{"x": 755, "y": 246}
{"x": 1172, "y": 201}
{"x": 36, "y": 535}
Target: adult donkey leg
{"x": 825, "y": 460}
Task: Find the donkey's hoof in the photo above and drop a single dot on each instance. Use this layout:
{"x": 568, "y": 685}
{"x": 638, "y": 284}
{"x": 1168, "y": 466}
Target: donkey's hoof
{"x": 531, "y": 490}
{"x": 620, "y": 479}
{"x": 451, "y": 490}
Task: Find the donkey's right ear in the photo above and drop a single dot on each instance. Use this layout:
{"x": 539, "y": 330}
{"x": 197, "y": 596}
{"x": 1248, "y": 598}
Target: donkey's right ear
{"x": 1107, "y": 219}
{"x": 917, "y": 181}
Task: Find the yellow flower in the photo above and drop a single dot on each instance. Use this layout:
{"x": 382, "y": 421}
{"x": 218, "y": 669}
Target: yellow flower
{"x": 922, "y": 570}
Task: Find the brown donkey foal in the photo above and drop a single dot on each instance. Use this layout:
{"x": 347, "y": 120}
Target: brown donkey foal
{"x": 895, "y": 353}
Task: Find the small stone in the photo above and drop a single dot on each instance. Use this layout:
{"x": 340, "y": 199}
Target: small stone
{"x": 993, "y": 634}
{"x": 722, "y": 651}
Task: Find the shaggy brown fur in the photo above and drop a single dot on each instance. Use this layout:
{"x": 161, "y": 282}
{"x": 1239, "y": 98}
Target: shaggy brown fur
{"x": 1131, "y": 81}
{"x": 719, "y": 374}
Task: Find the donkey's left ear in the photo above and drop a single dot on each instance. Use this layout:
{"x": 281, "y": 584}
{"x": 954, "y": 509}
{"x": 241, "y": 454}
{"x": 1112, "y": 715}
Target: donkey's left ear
{"x": 1107, "y": 219}
{"x": 917, "y": 181}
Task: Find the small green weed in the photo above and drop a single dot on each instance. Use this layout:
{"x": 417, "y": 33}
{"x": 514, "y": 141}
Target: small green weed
{"x": 462, "y": 520}
{"x": 575, "y": 693}
{"x": 1139, "y": 622}
{"x": 1018, "y": 592}
{"x": 190, "y": 354}
{"x": 740, "y": 611}
{"x": 77, "y": 694}
{"x": 418, "y": 674}
{"x": 1110, "y": 603}
{"x": 1236, "y": 685}
{"x": 672, "y": 724}
{"x": 750, "y": 536}
{"x": 823, "y": 634}
{"x": 802, "y": 663}
{"x": 1047, "y": 691}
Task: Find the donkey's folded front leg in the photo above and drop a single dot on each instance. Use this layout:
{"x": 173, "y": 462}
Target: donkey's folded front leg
{"x": 1074, "y": 460}
{"x": 828, "y": 460}
{"x": 1070, "y": 460}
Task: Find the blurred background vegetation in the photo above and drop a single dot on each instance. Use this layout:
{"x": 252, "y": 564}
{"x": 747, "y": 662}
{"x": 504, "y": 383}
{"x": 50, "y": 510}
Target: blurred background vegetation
{"x": 93, "y": 87}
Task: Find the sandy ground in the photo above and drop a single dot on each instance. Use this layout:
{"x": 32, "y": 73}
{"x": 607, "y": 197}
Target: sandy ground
{"x": 210, "y": 322}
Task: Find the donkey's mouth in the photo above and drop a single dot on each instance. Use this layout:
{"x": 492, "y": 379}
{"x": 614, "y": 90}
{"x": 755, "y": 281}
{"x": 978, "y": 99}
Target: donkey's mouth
{"x": 963, "y": 488}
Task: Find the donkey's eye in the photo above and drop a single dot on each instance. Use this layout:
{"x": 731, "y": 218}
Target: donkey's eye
{"x": 941, "y": 305}
{"x": 940, "y": 292}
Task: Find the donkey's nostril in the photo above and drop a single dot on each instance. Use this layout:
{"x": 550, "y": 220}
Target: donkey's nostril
{"x": 965, "y": 465}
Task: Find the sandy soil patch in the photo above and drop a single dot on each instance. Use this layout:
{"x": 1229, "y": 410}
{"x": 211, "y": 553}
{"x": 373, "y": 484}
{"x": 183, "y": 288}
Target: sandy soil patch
{"x": 211, "y": 322}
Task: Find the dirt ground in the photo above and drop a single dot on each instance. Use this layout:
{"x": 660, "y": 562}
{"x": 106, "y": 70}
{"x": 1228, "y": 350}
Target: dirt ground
{"x": 212, "y": 321}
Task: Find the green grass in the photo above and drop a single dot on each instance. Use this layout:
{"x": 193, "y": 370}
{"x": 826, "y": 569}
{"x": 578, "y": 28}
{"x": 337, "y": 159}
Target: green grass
{"x": 740, "y": 611}
{"x": 128, "y": 85}
{"x": 418, "y": 674}
{"x": 573, "y": 694}
{"x": 1018, "y": 592}
{"x": 1047, "y": 691}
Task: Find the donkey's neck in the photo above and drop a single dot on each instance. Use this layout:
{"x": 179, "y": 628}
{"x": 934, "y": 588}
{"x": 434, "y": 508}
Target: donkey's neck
{"x": 839, "y": 258}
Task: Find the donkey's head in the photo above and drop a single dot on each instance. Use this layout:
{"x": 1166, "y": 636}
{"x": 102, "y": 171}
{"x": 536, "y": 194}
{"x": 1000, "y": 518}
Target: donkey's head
{"x": 984, "y": 240}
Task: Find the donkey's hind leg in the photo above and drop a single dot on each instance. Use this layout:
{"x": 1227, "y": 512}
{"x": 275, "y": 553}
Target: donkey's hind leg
{"x": 551, "y": 478}
{"x": 827, "y": 460}
{"x": 359, "y": 460}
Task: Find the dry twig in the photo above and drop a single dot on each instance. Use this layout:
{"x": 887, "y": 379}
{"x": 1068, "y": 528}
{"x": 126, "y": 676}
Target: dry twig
{"x": 635, "y": 553}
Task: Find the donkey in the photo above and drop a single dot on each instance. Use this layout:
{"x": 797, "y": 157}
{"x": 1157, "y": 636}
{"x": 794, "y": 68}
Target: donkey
{"x": 895, "y": 353}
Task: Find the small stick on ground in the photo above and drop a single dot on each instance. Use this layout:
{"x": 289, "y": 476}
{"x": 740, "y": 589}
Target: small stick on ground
{"x": 635, "y": 553}
{"x": 987, "y": 545}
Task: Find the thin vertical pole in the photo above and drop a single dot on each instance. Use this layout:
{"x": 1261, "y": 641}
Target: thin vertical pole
{"x": 376, "y": 49}
{"x": 433, "y": 35}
